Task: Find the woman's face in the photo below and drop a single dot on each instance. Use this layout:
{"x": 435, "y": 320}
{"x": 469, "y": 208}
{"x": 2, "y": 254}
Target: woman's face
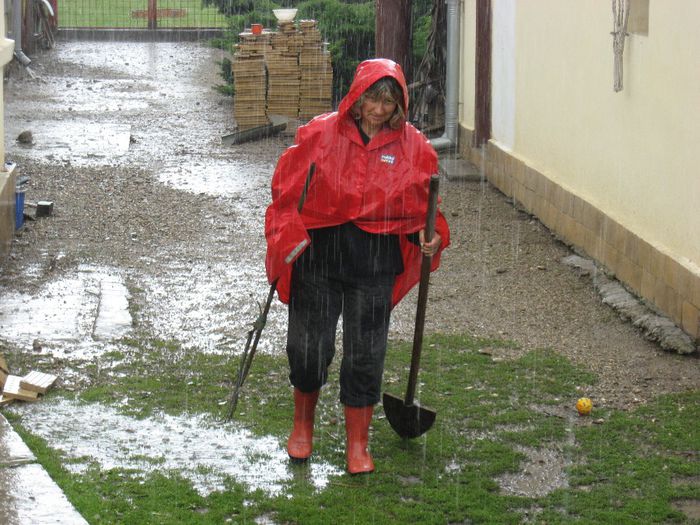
{"x": 376, "y": 111}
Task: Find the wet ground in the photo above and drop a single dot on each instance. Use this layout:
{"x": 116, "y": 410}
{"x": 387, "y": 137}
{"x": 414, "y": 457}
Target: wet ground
{"x": 156, "y": 224}
{"x": 27, "y": 493}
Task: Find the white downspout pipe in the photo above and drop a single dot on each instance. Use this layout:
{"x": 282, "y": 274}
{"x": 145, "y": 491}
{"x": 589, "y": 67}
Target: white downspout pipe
{"x": 17, "y": 32}
{"x": 449, "y": 137}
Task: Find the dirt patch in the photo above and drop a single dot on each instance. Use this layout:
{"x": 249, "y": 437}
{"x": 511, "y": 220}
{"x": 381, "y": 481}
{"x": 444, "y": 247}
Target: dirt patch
{"x": 691, "y": 508}
{"x": 542, "y": 473}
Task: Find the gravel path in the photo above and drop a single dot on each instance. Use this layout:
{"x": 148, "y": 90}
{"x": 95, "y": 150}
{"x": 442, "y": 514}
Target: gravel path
{"x": 172, "y": 197}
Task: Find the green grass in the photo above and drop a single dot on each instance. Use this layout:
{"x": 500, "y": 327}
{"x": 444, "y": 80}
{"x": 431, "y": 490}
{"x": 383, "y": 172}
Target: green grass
{"x": 124, "y": 14}
{"x": 629, "y": 469}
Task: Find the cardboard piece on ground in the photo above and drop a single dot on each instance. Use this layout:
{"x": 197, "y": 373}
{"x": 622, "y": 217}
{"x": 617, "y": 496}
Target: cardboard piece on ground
{"x": 13, "y": 390}
{"x": 37, "y": 382}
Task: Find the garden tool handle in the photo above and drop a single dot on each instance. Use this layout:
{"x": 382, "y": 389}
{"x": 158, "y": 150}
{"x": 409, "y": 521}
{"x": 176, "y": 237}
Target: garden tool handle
{"x": 305, "y": 190}
{"x": 261, "y": 321}
{"x": 422, "y": 291}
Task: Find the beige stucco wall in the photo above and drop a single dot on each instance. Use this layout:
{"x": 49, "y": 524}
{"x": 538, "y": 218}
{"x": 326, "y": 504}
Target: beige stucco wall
{"x": 615, "y": 174}
{"x": 634, "y": 153}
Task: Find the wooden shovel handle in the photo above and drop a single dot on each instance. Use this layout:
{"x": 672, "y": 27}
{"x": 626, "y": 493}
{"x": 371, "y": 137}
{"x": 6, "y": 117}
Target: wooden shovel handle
{"x": 422, "y": 292}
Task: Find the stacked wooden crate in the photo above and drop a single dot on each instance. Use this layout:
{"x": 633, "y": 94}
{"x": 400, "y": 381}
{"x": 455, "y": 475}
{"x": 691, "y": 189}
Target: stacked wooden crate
{"x": 284, "y": 75}
{"x": 249, "y": 80}
{"x": 315, "y": 96}
{"x": 285, "y": 72}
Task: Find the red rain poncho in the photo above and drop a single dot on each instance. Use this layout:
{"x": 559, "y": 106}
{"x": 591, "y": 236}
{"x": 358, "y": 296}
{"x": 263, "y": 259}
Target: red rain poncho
{"x": 381, "y": 187}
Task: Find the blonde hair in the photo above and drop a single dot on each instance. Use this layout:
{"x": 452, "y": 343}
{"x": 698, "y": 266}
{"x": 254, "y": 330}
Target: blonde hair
{"x": 386, "y": 88}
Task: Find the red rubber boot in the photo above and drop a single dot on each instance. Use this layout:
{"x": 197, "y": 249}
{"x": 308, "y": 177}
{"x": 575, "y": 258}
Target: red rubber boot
{"x": 300, "y": 441}
{"x": 357, "y": 420}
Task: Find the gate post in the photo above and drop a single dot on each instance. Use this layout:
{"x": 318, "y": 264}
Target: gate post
{"x": 482, "y": 110}
{"x": 152, "y": 14}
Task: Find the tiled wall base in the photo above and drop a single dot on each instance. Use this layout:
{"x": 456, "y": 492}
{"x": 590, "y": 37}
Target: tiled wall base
{"x": 672, "y": 287}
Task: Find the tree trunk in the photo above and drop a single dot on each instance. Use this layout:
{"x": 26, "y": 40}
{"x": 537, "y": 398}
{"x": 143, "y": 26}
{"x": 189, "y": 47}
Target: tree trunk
{"x": 393, "y": 32}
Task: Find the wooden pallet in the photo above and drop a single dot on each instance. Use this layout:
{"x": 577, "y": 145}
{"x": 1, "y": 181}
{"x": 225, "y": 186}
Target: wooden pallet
{"x": 278, "y": 124}
{"x": 37, "y": 382}
{"x": 13, "y": 390}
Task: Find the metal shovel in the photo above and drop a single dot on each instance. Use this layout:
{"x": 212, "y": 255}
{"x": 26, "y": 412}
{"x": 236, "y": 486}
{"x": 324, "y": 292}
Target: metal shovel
{"x": 408, "y": 419}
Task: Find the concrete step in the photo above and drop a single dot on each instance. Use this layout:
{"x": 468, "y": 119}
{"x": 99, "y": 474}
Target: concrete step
{"x": 458, "y": 169}
{"x": 27, "y": 493}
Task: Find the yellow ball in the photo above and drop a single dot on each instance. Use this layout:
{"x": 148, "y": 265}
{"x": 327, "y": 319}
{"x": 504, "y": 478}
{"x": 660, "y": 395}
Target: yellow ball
{"x": 584, "y": 406}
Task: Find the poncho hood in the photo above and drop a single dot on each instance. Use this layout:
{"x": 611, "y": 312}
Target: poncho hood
{"x": 366, "y": 74}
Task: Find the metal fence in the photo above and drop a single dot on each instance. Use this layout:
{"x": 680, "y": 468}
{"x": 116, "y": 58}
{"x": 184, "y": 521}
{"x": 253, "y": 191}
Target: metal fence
{"x": 137, "y": 14}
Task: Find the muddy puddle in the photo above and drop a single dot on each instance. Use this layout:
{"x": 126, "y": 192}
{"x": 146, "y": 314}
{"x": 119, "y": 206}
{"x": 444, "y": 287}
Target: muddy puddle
{"x": 103, "y": 100}
{"x": 75, "y": 141}
{"x": 217, "y": 177}
{"x": 203, "y": 451}
{"x": 543, "y": 471}
{"x": 212, "y": 307}
{"x": 76, "y": 315}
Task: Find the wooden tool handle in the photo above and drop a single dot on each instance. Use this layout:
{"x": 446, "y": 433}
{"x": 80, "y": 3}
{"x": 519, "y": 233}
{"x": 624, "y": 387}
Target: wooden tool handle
{"x": 422, "y": 291}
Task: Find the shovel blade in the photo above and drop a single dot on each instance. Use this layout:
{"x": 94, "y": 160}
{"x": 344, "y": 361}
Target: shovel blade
{"x": 408, "y": 421}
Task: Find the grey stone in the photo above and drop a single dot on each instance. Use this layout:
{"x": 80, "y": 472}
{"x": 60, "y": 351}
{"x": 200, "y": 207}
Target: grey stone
{"x": 459, "y": 169}
{"x": 655, "y": 327}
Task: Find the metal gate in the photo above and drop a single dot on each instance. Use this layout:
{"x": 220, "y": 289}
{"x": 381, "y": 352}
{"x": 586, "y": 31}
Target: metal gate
{"x": 137, "y": 14}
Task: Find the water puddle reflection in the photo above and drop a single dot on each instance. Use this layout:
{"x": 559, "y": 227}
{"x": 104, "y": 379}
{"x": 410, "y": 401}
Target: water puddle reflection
{"x": 543, "y": 472}
{"x": 70, "y": 315}
{"x": 77, "y": 141}
{"x": 201, "y": 450}
{"x": 79, "y": 315}
{"x": 212, "y": 307}
{"x": 218, "y": 177}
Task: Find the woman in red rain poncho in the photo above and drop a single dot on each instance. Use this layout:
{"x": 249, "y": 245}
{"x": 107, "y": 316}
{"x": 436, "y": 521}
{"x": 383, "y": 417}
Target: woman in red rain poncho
{"x": 355, "y": 248}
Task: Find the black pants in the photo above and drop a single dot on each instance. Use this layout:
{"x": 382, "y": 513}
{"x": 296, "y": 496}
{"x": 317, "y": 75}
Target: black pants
{"x": 317, "y": 299}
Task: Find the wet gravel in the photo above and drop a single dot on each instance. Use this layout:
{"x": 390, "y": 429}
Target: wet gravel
{"x": 148, "y": 208}
{"x": 504, "y": 277}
